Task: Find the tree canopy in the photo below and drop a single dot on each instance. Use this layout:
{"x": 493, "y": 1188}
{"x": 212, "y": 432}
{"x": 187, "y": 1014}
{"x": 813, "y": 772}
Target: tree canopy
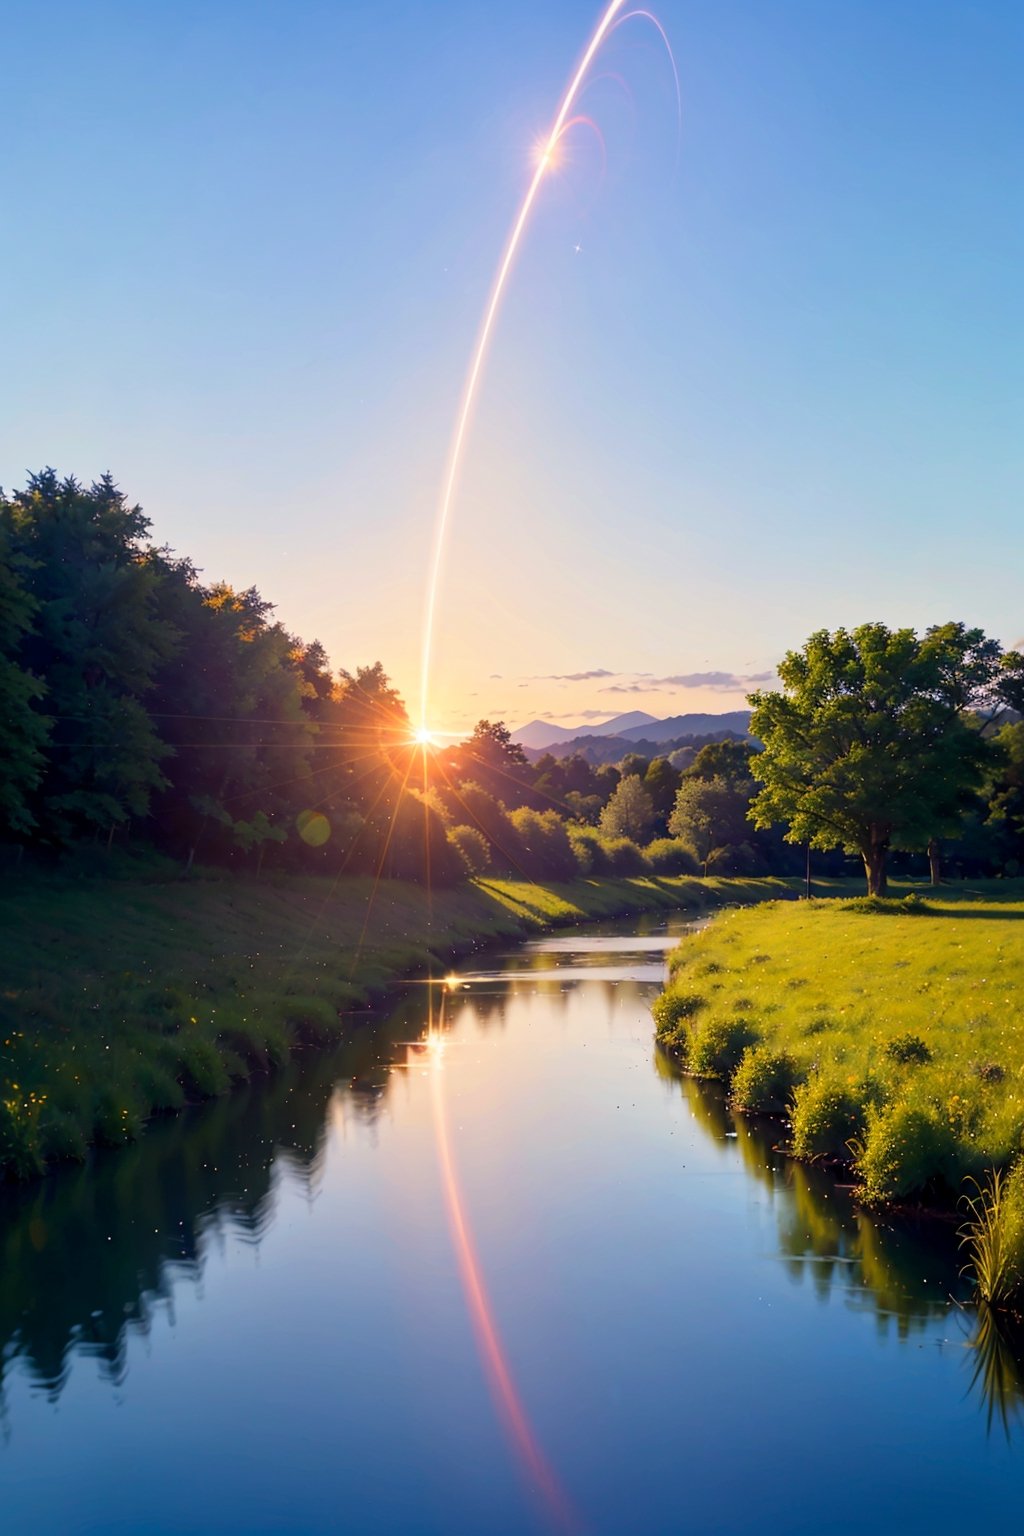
{"x": 874, "y": 741}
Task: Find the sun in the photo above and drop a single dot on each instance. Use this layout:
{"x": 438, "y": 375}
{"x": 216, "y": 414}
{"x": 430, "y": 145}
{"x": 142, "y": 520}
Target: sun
{"x": 423, "y": 736}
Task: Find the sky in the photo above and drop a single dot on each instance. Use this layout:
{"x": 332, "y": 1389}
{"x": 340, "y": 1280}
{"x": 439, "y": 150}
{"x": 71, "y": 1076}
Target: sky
{"x": 751, "y": 380}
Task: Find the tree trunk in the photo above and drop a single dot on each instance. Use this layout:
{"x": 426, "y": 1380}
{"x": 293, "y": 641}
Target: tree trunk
{"x": 874, "y": 856}
{"x": 935, "y": 861}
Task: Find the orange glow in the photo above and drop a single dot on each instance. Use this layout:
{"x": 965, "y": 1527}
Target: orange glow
{"x": 490, "y": 314}
{"x": 492, "y": 1353}
{"x": 423, "y": 737}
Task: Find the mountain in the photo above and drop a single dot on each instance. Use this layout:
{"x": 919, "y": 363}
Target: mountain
{"x": 676, "y": 726}
{"x": 541, "y": 733}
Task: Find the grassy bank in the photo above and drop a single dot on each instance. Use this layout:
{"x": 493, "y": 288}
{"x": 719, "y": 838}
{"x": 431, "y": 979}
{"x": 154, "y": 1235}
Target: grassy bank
{"x": 124, "y": 998}
{"x": 890, "y": 1034}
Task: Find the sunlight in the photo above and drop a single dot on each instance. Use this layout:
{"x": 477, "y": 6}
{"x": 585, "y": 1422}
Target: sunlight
{"x": 423, "y": 736}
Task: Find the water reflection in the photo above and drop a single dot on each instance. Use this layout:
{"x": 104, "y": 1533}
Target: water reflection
{"x": 906, "y": 1272}
{"x": 89, "y": 1256}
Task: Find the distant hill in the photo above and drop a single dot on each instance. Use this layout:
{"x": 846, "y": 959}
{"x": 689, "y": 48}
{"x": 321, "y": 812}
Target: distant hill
{"x": 676, "y": 726}
{"x": 612, "y": 749}
{"x": 541, "y": 734}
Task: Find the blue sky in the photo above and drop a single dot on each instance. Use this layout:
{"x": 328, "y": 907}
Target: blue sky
{"x": 778, "y": 386}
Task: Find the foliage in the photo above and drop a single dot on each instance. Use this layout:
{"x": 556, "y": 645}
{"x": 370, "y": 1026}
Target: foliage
{"x": 993, "y": 1234}
{"x": 764, "y": 1080}
{"x": 670, "y": 856}
{"x": 906, "y": 1038}
{"x": 710, "y": 816}
{"x": 871, "y": 744}
{"x": 23, "y": 729}
{"x": 828, "y": 1116}
{"x": 472, "y": 847}
{"x": 716, "y": 1045}
{"x": 630, "y": 811}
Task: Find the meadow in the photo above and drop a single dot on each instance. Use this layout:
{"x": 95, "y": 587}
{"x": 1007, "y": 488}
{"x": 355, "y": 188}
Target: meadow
{"x": 123, "y": 998}
{"x": 890, "y": 1034}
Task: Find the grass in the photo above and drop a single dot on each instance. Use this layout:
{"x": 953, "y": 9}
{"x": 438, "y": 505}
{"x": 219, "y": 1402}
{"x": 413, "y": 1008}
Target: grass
{"x": 893, "y": 1030}
{"x": 122, "y": 998}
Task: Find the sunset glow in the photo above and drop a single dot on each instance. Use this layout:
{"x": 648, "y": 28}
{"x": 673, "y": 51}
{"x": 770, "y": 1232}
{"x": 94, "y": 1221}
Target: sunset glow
{"x": 611, "y": 16}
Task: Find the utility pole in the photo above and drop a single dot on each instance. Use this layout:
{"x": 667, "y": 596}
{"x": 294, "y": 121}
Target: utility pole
{"x": 807, "y": 876}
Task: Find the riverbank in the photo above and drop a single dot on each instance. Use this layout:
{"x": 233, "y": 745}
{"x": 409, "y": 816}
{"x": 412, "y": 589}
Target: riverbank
{"x": 130, "y": 997}
{"x": 889, "y": 1034}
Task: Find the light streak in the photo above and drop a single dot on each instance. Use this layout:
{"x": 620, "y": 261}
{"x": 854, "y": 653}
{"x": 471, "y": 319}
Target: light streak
{"x": 496, "y": 1366}
{"x": 544, "y": 161}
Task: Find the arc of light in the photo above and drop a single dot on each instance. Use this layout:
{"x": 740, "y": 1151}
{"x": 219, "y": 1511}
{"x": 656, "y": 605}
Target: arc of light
{"x": 496, "y": 1365}
{"x": 473, "y": 377}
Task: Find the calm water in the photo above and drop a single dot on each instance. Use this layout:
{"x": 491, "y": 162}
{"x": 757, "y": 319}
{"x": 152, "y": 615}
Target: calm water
{"x": 492, "y": 1268}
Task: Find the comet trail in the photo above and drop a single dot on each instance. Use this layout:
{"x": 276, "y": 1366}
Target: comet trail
{"x": 611, "y": 18}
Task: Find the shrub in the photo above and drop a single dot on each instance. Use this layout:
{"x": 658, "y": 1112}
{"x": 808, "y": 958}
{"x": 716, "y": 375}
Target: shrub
{"x": 544, "y": 849}
{"x": 202, "y": 1068}
{"x": 764, "y": 1080}
{"x": 20, "y": 1143}
{"x": 623, "y": 856}
{"x": 717, "y": 1045}
{"x": 907, "y": 1050}
{"x": 994, "y": 1237}
{"x": 668, "y": 856}
{"x": 670, "y": 1011}
{"x": 472, "y": 847}
{"x": 587, "y": 850}
{"x": 117, "y": 1118}
{"x": 826, "y": 1117}
{"x": 906, "y": 1148}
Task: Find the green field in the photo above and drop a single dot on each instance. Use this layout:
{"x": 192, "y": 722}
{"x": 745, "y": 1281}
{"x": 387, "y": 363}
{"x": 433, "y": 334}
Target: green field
{"x": 122, "y": 998}
{"x": 890, "y": 1034}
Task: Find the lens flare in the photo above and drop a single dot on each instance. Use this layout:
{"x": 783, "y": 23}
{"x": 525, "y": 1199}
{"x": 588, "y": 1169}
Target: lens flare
{"x": 561, "y": 1515}
{"x": 546, "y": 158}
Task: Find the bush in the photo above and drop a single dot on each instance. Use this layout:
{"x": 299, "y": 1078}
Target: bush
{"x": 827, "y": 1116}
{"x": 472, "y": 847}
{"x": 623, "y": 857}
{"x": 764, "y": 1080}
{"x": 906, "y": 1148}
{"x": 670, "y": 1011}
{"x": 908, "y": 1050}
{"x": 20, "y": 1143}
{"x": 202, "y": 1068}
{"x": 544, "y": 849}
{"x": 668, "y": 856}
{"x": 717, "y": 1045}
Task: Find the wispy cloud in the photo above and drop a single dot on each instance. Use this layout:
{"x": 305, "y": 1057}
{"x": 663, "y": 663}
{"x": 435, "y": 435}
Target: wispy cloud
{"x": 575, "y": 714}
{"x": 575, "y": 677}
{"x": 720, "y": 682}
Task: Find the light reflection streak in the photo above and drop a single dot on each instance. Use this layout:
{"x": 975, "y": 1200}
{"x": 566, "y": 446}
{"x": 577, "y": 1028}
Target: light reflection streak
{"x": 492, "y": 1353}
{"x": 547, "y": 157}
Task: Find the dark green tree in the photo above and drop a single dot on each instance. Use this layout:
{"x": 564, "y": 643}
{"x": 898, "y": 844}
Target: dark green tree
{"x": 97, "y": 641}
{"x": 872, "y": 743}
{"x": 23, "y": 729}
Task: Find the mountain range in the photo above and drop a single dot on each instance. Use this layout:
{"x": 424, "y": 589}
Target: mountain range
{"x": 540, "y": 735}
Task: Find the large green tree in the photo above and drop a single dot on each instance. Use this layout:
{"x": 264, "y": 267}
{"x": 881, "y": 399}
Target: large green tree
{"x": 23, "y": 730}
{"x": 873, "y": 742}
{"x": 97, "y": 640}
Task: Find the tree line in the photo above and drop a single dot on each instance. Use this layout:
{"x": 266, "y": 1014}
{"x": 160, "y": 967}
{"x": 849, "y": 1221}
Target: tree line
{"x": 139, "y": 703}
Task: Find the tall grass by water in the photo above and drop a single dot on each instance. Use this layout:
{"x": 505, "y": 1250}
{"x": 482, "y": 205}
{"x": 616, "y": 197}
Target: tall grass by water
{"x": 891, "y": 1035}
{"x": 126, "y": 997}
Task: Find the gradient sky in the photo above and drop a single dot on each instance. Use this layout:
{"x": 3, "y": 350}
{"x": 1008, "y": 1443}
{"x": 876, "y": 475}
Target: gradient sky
{"x": 779, "y": 384}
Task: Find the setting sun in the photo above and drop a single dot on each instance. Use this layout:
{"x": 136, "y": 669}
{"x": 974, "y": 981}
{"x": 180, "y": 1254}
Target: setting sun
{"x": 423, "y": 736}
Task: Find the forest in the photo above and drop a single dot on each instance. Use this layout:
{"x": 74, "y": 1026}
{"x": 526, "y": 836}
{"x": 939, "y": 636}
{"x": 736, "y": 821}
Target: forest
{"x": 142, "y": 708}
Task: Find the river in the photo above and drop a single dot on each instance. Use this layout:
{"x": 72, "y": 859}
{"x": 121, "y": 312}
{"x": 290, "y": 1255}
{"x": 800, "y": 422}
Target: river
{"x": 492, "y": 1267}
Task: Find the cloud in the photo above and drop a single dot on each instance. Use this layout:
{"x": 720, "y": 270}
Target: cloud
{"x": 720, "y": 682}
{"x": 575, "y": 714}
{"x": 574, "y": 677}
{"x": 496, "y": 676}
{"x": 723, "y": 682}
